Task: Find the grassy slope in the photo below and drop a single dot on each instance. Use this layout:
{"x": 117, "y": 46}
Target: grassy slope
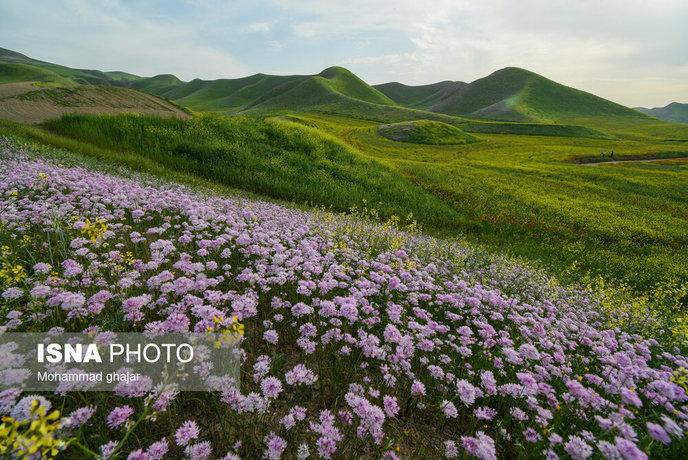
{"x": 16, "y": 67}
{"x": 157, "y": 85}
{"x": 34, "y": 103}
{"x": 18, "y": 72}
{"x": 333, "y": 91}
{"x": 272, "y": 92}
{"x": 517, "y": 194}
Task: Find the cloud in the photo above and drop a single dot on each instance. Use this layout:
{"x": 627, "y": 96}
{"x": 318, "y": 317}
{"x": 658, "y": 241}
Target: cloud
{"x": 405, "y": 58}
{"x": 631, "y": 51}
{"x": 255, "y": 27}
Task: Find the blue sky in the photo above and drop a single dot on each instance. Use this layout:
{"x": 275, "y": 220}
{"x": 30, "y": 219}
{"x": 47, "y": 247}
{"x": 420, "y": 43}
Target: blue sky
{"x": 633, "y": 52}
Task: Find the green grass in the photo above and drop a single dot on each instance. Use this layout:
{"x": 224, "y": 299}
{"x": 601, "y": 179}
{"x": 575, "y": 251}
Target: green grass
{"x": 515, "y": 194}
{"x": 534, "y": 129}
{"x": 275, "y": 158}
{"x": 425, "y": 132}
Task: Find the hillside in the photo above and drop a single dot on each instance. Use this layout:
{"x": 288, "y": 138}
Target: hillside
{"x": 16, "y": 67}
{"x": 28, "y": 103}
{"x": 510, "y": 94}
{"x": 672, "y": 112}
{"x": 393, "y": 332}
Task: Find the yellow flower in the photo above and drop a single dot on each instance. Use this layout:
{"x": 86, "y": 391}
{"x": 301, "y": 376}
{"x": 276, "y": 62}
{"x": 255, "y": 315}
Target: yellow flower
{"x": 12, "y": 274}
{"x": 94, "y": 230}
{"x": 230, "y": 334}
{"x": 128, "y": 258}
{"x": 31, "y": 438}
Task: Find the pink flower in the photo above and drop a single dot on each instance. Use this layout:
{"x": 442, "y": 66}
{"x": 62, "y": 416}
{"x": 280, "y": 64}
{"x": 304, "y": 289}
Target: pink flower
{"x": 119, "y": 416}
{"x": 187, "y": 432}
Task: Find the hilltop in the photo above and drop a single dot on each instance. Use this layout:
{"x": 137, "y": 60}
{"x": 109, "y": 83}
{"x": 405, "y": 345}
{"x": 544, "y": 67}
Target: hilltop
{"x": 672, "y": 112}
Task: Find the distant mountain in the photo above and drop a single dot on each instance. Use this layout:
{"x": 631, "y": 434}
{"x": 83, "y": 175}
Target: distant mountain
{"x": 672, "y": 112}
{"x": 510, "y": 94}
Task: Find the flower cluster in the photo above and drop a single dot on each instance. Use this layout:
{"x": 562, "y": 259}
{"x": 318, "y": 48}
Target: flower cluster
{"x": 350, "y": 347}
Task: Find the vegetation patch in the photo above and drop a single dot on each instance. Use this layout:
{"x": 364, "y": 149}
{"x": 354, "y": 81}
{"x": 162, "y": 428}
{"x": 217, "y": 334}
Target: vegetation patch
{"x": 425, "y": 132}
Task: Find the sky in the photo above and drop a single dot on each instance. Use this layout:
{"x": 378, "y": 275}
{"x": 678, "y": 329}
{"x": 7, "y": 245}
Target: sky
{"x": 634, "y": 52}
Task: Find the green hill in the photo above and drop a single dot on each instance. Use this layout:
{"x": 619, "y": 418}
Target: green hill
{"x": 11, "y": 72}
{"x": 425, "y": 132}
{"x": 672, "y": 112}
{"x": 511, "y": 94}
{"x": 16, "y": 67}
{"x": 123, "y": 76}
{"x": 514, "y": 94}
{"x": 342, "y": 81}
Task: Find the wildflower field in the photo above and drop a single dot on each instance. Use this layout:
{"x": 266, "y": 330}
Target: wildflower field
{"x": 358, "y": 339}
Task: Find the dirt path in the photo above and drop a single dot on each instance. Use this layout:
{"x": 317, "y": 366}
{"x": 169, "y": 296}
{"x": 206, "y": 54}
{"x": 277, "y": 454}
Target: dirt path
{"x": 647, "y": 160}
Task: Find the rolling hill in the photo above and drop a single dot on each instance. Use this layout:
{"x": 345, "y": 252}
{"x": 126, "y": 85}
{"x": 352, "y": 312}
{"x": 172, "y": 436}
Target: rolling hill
{"x": 672, "y": 112}
{"x": 510, "y": 94}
